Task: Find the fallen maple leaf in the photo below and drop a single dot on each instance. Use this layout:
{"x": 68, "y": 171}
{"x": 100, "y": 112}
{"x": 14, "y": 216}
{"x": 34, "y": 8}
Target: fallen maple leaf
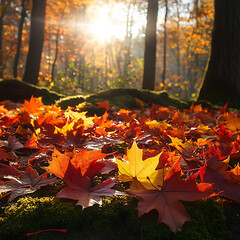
{"x": 60, "y": 164}
{"x": 85, "y": 158}
{"x": 163, "y": 125}
{"x": 77, "y": 174}
{"x": 167, "y": 200}
{"x": 3, "y": 110}
{"x": 233, "y": 122}
{"x": 223, "y": 134}
{"x": 102, "y": 121}
{"x": 26, "y": 182}
{"x": 12, "y": 143}
{"x": 78, "y": 116}
{"x": 176, "y": 143}
{"x": 7, "y": 156}
{"x": 101, "y": 124}
{"x": 6, "y": 170}
{"x": 126, "y": 115}
{"x": 33, "y": 106}
{"x": 196, "y": 108}
{"x": 22, "y": 131}
{"x": 235, "y": 174}
{"x": 159, "y": 113}
{"x": 87, "y": 195}
{"x": 31, "y": 142}
{"x": 214, "y": 172}
{"x": 142, "y": 173}
{"x": 104, "y": 105}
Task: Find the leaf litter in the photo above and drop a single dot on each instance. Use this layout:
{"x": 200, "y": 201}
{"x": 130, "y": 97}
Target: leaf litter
{"x": 166, "y": 155}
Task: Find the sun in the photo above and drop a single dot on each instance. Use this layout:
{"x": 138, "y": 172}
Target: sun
{"x": 108, "y": 23}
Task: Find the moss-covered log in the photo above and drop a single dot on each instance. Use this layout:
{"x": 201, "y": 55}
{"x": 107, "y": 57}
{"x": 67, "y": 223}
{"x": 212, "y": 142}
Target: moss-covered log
{"x": 18, "y": 91}
{"x": 124, "y": 98}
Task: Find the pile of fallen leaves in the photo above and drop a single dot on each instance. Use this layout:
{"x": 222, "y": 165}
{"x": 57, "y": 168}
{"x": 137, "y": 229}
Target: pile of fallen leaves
{"x": 161, "y": 155}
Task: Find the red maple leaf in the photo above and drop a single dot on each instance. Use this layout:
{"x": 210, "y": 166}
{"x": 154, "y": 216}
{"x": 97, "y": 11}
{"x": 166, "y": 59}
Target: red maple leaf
{"x": 25, "y": 182}
{"x": 223, "y": 134}
{"x": 6, "y": 170}
{"x": 87, "y": 195}
{"x": 214, "y": 172}
{"x": 12, "y": 143}
{"x": 167, "y": 200}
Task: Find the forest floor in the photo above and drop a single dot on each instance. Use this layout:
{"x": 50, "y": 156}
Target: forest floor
{"x": 133, "y": 142}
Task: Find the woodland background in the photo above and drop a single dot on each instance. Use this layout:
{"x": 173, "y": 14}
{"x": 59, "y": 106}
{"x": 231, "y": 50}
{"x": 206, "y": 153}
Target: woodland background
{"x": 94, "y": 45}
{"x": 81, "y": 47}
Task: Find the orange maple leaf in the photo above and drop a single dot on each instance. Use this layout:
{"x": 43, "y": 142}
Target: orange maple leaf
{"x": 59, "y": 165}
{"x": 104, "y": 105}
{"x": 77, "y": 174}
{"x": 34, "y": 106}
{"x": 196, "y": 108}
{"x": 127, "y": 115}
{"x": 233, "y": 122}
{"x": 31, "y": 142}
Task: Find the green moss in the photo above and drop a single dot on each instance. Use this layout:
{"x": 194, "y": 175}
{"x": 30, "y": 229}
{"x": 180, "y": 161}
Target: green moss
{"x": 232, "y": 213}
{"x": 208, "y": 221}
{"x": 116, "y": 219}
{"x": 33, "y": 214}
{"x": 123, "y": 98}
{"x": 71, "y": 101}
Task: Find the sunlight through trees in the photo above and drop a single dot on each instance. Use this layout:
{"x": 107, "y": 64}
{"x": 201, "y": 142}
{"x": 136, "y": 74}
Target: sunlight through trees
{"x": 93, "y": 45}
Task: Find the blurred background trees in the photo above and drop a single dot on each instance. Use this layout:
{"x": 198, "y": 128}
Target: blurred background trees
{"x": 93, "y": 45}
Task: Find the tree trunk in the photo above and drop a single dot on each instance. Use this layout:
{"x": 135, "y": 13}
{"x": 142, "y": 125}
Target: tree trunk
{"x": 36, "y": 42}
{"x": 19, "y": 42}
{"x": 196, "y": 55}
{"x": 222, "y": 78}
{"x": 2, "y": 13}
{"x": 150, "y": 46}
{"x": 57, "y": 42}
{"x": 177, "y": 39}
{"x": 165, "y": 44}
{"x": 128, "y": 41}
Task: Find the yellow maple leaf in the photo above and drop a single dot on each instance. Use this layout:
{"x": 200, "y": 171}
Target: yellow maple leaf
{"x": 176, "y": 142}
{"x": 142, "y": 173}
{"x": 163, "y": 125}
{"x": 68, "y": 127}
{"x": 79, "y": 116}
{"x": 180, "y": 145}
